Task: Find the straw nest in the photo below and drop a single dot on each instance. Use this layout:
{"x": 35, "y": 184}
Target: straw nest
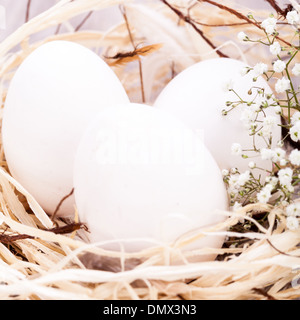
{"x": 260, "y": 257}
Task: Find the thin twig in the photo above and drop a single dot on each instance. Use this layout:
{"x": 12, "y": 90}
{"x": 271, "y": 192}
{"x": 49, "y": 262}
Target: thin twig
{"x": 83, "y": 21}
{"x": 188, "y": 20}
{"x": 281, "y": 252}
{"x": 275, "y": 6}
{"x": 123, "y": 11}
{"x": 27, "y": 11}
{"x": 69, "y": 228}
{"x": 60, "y": 203}
{"x": 241, "y": 17}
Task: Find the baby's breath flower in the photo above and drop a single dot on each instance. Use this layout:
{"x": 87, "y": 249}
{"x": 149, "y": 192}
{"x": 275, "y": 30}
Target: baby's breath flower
{"x": 283, "y": 162}
{"x": 277, "y": 109}
{"x": 282, "y": 85}
{"x": 293, "y": 210}
{"x": 285, "y": 177}
{"x": 295, "y": 117}
{"x": 225, "y": 172}
{"x": 268, "y": 125}
{"x": 292, "y": 223}
{"x": 260, "y": 68}
{"x": 244, "y": 178}
{"x": 279, "y": 66}
{"x": 295, "y": 157}
{"x": 266, "y": 154}
{"x": 292, "y": 17}
{"x": 275, "y": 48}
{"x": 236, "y": 149}
{"x": 242, "y": 36}
{"x": 265, "y": 194}
{"x": 251, "y": 165}
{"x": 244, "y": 71}
{"x": 296, "y": 70}
{"x": 278, "y": 155}
{"x": 233, "y": 170}
{"x": 295, "y": 132}
{"x": 269, "y": 25}
{"x": 248, "y": 117}
{"x": 228, "y": 86}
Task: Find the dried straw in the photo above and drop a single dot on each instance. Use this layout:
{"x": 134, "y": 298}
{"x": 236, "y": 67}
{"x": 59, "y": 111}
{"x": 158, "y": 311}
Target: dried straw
{"x": 39, "y": 264}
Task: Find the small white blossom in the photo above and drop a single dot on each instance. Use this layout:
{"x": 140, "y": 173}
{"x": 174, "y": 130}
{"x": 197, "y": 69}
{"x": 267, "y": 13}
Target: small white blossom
{"x": 295, "y": 117}
{"x": 228, "y": 86}
{"x": 260, "y": 68}
{"x": 285, "y": 176}
{"x": 268, "y": 125}
{"x": 265, "y": 194}
{"x": 266, "y": 154}
{"x": 295, "y": 157}
{"x": 282, "y": 85}
{"x": 279, "y": 155}
{"x": 292, "y": 223}
{"x": 283, "y": 162}
{"x": 233, "y": 181}
{"x": 292, "y": 17}
{"x": 244, "y": 178}
{"x": 275, "y": 48}
{"x": 233, "y": 170}
{"x": 296, "y": 70}
{"x": 242, "y": 36}
{"x": 225, "y": 172}
{"x": 293, "y": 210}
{"x": 277, "y": 109}
{"x": 236, "y": 149}
{"x": 269, "y": 25}
{"x": 274, "y": 181}
{"x": 248, "y": 117}
{"x": 251, "y": 165}
{"x": 280, "y": 144}
{"x": 295, "y": 132}
{"x": 244, "y": 71}
{"x": 279, "y": 66}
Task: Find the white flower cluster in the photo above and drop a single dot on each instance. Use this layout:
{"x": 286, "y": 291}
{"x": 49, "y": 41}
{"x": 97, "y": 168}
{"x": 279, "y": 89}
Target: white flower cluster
{"x": 293, "y": 214}
{"x": 281, "y": 186}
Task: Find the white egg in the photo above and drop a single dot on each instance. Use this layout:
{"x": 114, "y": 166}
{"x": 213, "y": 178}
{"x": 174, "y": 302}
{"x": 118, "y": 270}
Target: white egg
{"x": 141, "y": 174}
{"x": 53, "y": 96}
{"x": 197, "y": 97}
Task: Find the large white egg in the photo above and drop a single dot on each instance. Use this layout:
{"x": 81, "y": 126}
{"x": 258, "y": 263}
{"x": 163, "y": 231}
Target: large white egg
{"x": 197, "y": 97}
{"x": 52, "y": 97}
{"x": 141, "y": 174}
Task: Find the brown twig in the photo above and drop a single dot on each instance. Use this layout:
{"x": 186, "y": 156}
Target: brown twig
{"x": 69, "y": 228}
{"x": 187, "y": 19}
{"x": 123, "y": 11}
{"x": 281, "y": 252}
{"x": 83, "y": 21}
{"x": 60, "y": 203}
{"x": 264, "y": 293}
{"x": 27, "y": 11}
{"x": 276, "y": 7}
{"x": 8, "y": 239}
{"x": 240, "y": 16}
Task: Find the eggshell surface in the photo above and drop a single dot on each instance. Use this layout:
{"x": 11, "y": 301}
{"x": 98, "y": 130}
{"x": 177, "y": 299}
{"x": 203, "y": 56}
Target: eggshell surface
{"x": 52, "y": 97}
{"x": 197, "y": 97}
{"x": 142, "y": 178}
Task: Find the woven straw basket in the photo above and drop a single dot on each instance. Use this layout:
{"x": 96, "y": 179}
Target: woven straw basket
{"x": 260, "y": 257}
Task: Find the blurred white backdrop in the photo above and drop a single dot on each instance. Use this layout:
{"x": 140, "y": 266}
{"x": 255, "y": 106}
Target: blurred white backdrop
{"x": 16, "y": 14}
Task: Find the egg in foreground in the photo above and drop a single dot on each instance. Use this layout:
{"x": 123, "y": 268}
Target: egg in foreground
{"x": 142, "y": 178}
